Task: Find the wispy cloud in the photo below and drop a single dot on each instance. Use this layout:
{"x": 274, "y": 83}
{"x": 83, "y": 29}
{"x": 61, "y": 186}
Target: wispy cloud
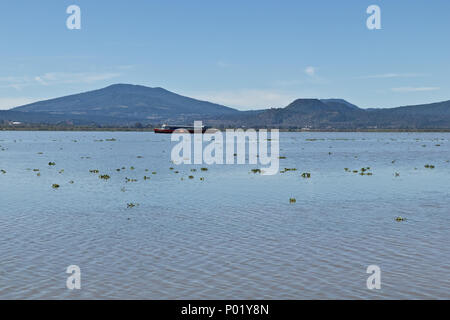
{"x": 8, "y": 103}
{"x": 248, "y": 98}
{"x": 310, "y": 71}
{"x": 52, "y": 78}
{"x": 393, "y": 75}
{"x": 414, "y": 89}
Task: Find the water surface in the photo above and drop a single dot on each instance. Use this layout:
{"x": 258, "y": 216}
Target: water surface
{"x": 232, "y": 236}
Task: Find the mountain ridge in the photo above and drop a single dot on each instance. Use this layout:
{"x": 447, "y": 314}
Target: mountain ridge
{"x": 125, "y": 104}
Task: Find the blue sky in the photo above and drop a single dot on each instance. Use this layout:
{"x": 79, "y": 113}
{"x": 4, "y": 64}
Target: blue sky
{"x": 245, "y": 54}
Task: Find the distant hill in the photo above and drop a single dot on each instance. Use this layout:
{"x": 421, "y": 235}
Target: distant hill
{"x": 124, "y": 105}
{"x": 128, "y": 103}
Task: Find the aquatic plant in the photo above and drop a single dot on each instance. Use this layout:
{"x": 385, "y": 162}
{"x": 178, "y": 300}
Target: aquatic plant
{"x": 191, "y": 177}
{"x": 146, "y": 178}
{"x": 204, "y": 169}
{"x": 104, "y": 177}
{"x": 202, "y": 179}
{"x": 400, "y": 219}
{"x": 306, "y": 175}
{"x": 71, "y": 182}
{"x": 429, "y": 166}
{"x": 290, "y": 169}
{"x": 131, "y": 168}
{"x": 94, "y": 171}
{"x": 292, "y": 200}
{"x": 281, "y": 157}
{"x": 55, "y": 186}
{"x": 256, "y": 171}
{"x": 193, "y": 170}
{"x": 130, "y": 180}
{"x": 154, "y": 172}
{"x": 131, "y": 205}
{"x": 52, "y": 164}
{"x": 3, "y": 171}
{"x": 112, "y": 139}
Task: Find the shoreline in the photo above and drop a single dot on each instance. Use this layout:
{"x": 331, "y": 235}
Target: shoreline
{"x": 130, "y": 129}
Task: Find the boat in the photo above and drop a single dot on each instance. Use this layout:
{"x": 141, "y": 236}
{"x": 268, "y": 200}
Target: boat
{"x": 171, "y": 128}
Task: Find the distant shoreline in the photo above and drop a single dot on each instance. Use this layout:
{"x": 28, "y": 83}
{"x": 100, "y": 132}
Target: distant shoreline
{"x": 131, "y": 129}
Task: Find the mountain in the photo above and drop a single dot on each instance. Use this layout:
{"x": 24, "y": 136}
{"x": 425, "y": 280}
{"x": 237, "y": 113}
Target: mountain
{"x": 125, "y": 105}
{"x": 128, "y": 103}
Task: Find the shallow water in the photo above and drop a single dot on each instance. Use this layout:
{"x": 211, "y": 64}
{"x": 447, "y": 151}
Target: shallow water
{"x": 232, "y": 236}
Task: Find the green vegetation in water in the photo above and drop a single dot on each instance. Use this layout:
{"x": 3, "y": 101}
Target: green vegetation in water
{"x": 104, "y": 177}
{"x": 202, "y": 179}
{"x": 130, "y": 180}
{"x": 429, "y": 166}
{"x": 400, "y": 219}
{"x": 131, "y": 168}
{"x": 55, "y": 186}
{"x": 52, "y": 164}
{"x": 94, "y": 171}
{"x": 112, "y": 139}
{"x": 191, "y": 177}
{"x": 193, "y": 170}
{"x": 204, "y": 169}
{"x": 131, "y": 205}
{"x": 281, "y": 157}
{"x": 3, "y": 171}
{"x": 290, "y": 169}
{"x": 255, "y": 171}
{"x": 292, "y": 200}
{"x": 146, "y": 178}
{"x": 306, "y": 175}
{"x": 154, "y": 172}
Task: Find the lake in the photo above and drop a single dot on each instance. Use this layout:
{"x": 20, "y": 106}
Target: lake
{"x": 233, "y": 234}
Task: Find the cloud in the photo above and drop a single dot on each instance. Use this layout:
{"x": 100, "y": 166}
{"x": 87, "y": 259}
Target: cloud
{"x": 52, "y": 78}
{"x": 310, "y": 71}
{"x": 415, "y": 89}
{"x": 247, "y": 99}
{"x": 393, "y": 75}
{"x": 8, "y": 103}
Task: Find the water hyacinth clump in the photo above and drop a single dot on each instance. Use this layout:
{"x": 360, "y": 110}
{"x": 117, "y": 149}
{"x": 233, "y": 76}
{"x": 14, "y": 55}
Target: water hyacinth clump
{"x": 52, "y": 164}
{"x": 429, "y": 166}
{"x": 306, "y": 175}
{"x": 400, "y": 219}
{"x": 255, "y": 171}
{"x": 55, "y": 186}
{"x": 292, "y": 200}
{"x": 104, "y": 177}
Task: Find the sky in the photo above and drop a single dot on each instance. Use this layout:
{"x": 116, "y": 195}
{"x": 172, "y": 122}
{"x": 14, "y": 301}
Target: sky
{"x": 244, "y": 54}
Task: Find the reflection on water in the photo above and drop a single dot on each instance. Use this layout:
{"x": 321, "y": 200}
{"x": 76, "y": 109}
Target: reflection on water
{"x": 232, "y": 235}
